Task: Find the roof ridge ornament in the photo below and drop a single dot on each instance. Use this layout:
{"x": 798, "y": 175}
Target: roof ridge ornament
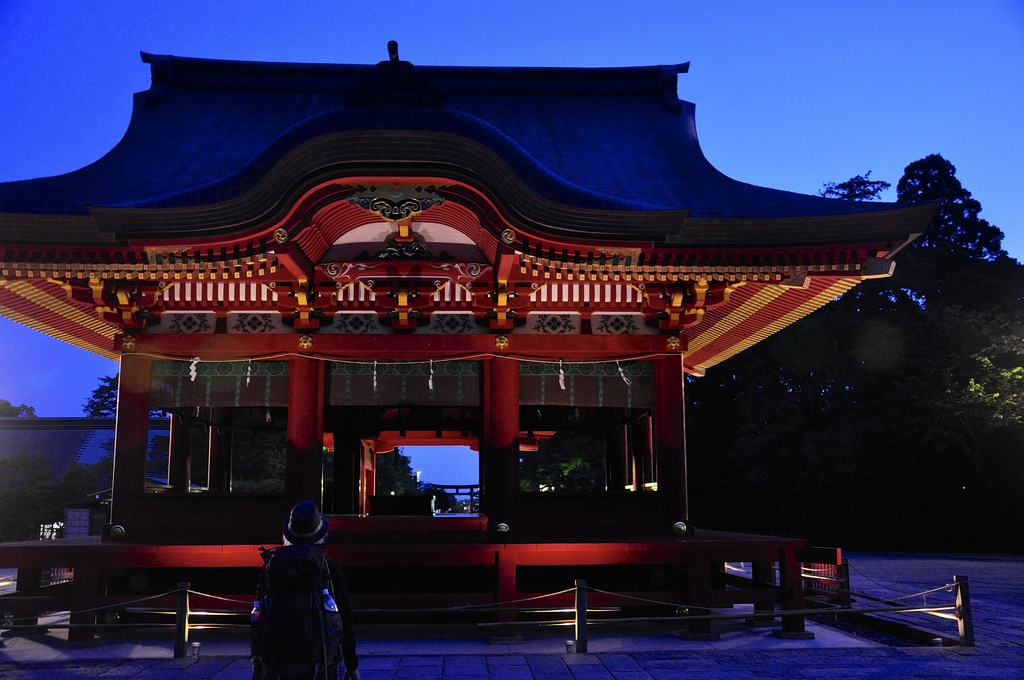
{"x": 395, "y": 83}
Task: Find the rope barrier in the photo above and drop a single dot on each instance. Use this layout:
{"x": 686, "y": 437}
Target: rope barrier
{"x": 503, "y": 607}
{"x": 220, "y": 597}
{"x": 638, "y": 599}
{"x": 106, "y": 606}
{"x": 877, "y": 583}
{"x": 946, "y": 588}
{"x": 508, "y": 602}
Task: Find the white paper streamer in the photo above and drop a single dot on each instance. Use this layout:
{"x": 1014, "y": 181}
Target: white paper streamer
{"x": 192, "y": 369}
{"x": 430, "y": 381}
{"x": 248, "y": 373}
{"x": 374, "y": 376}
{"x": 623, "y": 375}
{"x": 561, "y": 375}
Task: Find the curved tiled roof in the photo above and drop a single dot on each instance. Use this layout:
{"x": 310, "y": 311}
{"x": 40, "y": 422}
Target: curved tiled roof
{"x": 614, "y": 139}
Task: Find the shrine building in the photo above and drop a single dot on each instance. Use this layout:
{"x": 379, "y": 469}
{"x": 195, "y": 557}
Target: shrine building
{"x": 309, "y": 265}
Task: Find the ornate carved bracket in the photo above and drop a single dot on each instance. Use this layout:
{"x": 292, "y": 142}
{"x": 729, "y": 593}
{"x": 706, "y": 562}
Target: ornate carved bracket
{"x": 395, "y": 202}
{"x": 303, "y": 305}
{"x": 405, "y": 305}
{"x": 683, "y": 304}
{"x": 500, "y": 306}
{"x": 132, "y": 305}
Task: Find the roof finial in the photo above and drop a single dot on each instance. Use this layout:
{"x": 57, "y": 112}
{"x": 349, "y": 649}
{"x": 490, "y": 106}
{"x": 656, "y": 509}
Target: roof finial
{"x": 393, "y": 50}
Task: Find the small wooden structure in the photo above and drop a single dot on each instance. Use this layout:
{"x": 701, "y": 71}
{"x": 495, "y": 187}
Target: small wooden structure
{"x": 525, "y": 260}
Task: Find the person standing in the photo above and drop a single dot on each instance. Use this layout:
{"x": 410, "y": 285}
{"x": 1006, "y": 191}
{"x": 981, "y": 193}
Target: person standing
{"x": 302, "y": 621}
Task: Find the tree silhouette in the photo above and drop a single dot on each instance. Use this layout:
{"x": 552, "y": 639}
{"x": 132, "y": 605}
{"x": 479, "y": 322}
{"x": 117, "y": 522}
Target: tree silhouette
{"x": 858, "y": 188}
{"x": 9, "y": 410}
{"x": 103, "y": 401}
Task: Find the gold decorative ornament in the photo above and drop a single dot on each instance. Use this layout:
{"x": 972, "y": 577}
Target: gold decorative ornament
{"x": 128, "y": 342}
{"x": 508, "y": 237}
{"x": 501, "y": 341}
{"x": 305, "y": 341}
{"x": 280, "y": 235}
{"x": 396, "y": 202}
{"x": 674, "y": 343}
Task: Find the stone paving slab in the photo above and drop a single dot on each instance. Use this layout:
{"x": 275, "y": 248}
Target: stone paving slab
{"x": 921, "y": 662}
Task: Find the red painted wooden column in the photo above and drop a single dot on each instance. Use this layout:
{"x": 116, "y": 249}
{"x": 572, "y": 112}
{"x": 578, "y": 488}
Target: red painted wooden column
{"x": 670, "y": 435}
{"x": 305, "y": 429}
{"x": 131, "y": 441}
{"x": 500, "y": 445}
{"x": 791, "y": 585}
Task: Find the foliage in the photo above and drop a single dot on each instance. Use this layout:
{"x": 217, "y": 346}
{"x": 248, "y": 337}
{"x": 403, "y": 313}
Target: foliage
{"x": 103, "y": 401}
{"x": 31, "y": 495}
{"x": 258, "y": 461}
{"x": 9, "y": 410}
{"x": 891, "y": 419}
{"x": 859, "y": 188}
{"x": 394, "y": 474}
{"x": 568, "y": 461}
{"x": 957, "y": 226}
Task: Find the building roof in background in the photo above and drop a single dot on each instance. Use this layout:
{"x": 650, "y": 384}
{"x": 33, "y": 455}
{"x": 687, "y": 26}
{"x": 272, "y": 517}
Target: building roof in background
{"x": 61, "y": 441}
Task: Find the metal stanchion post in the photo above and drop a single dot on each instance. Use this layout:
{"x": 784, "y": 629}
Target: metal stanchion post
{"x": 964, "y": 618}
{"x": 181, "y": 622}
{"x": 581, "y": 616}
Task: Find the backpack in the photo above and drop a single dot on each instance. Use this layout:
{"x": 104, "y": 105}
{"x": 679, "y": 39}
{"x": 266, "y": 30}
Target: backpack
{"x": 295, "y": 628}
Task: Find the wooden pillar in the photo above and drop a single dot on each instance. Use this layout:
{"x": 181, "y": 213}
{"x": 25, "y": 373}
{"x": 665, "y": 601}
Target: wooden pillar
{"x": 218, "y": 466}
{"x": 85, "y": 595}
{"x": 131, "y": 440}
{"x": 30, "y": 582}
{"x": 500, "y": 447}
{"x": 650, "y": 465}
{"x": 179, "y": 454}
{"x": 791, "y": 587}
{"x": 670, "y": 435}
{"x": 348, "y": 463}
{"x": 304, "y": 466}
{"x": 367, "y": 476}
{"x": 617, "y": 457}
{"x": 698, "y": 596}
{"x": 505, "y": 560}
{"x": 763, "y": 575}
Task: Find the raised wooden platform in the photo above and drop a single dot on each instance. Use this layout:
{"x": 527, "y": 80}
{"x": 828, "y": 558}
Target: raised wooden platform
{"x": 427, "y": 572}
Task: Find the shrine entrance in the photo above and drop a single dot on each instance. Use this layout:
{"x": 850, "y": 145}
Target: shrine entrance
{"x": 357, "y": 438}
{"x": 371, "y": 408}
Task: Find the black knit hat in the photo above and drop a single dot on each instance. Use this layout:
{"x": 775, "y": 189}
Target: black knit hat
{"x": 305, "y": 524}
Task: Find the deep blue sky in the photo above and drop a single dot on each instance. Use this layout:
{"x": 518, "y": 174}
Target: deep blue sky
{"x": 789, "y": 94}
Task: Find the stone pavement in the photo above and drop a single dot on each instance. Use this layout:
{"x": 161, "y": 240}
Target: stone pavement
{"x": 637, "y": 653}
{"x": 881, "y": 662}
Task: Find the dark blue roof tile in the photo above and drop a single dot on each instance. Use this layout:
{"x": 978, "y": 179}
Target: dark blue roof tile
{"x": 611, "y": 139}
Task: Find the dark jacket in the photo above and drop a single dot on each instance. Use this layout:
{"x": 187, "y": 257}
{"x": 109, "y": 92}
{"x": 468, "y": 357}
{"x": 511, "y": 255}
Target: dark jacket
{"x": 344, "y": 602}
